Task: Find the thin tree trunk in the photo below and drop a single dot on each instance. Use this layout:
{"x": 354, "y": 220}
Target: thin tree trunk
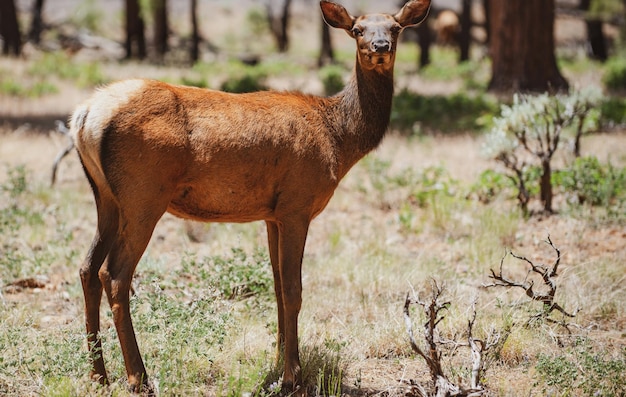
{"x": 161, "y": 27}
{"x": 10, "y": 28}
{"x": 135, "y": 39}
{"x": 195, "y": 36}
{"x": 546, "y": 185}
{"x": 327, "y": 54}
{"x": 465, "y": 36}
{"x": 596, "y": 42}
{"x": 279, "y": 25}
{"x": 425, "y": 40}
{"x": 36, "y": 26}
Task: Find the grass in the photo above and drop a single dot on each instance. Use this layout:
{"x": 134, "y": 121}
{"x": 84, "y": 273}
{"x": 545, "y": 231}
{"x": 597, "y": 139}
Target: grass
{"x": 204, "y": 311}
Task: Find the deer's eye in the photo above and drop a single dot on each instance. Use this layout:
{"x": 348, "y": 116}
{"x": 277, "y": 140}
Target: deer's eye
{"x": 396, "y": 29}
{"x": 357, "y": 32}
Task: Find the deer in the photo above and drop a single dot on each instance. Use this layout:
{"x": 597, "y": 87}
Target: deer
{"x": 148, "y": 148}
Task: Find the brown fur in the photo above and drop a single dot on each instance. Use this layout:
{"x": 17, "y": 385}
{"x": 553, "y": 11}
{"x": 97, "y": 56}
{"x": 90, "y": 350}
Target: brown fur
{"x": 149, "y": 147}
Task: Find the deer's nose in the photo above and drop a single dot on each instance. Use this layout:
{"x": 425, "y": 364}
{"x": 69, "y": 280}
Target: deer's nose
{"x": 381, "y": 46}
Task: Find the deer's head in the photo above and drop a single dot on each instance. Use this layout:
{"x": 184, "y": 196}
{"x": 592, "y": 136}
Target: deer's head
{"x": 376, "y": 34}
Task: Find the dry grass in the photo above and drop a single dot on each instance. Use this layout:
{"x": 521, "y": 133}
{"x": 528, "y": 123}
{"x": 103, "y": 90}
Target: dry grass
{"x": 359, "y": 263}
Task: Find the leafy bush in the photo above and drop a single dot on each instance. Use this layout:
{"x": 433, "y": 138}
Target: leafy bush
{"x": 588, "y": 181}
{"x": 250, "y": 79}
{"x": 332, "y": 79}
{"x": 412, "y": 113}
{"x": 527, "y": 134}
{"x": 615, "y": 74}
{"x": 613, "y": 111}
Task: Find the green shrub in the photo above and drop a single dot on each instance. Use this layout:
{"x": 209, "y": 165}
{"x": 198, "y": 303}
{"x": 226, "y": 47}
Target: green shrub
{"x": 529, "y": 132}
{"x": 615, "y": 74}
{"x": 613, "y": 111}
{"x": 587, "y": 181}
{"x": 412, "y": 113}
{"x": 250, "y": 79}
{"x": 332, "y": 79}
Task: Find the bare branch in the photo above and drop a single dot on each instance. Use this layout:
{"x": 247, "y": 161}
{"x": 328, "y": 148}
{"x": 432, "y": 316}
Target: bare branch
{"x": 547, "y": 274}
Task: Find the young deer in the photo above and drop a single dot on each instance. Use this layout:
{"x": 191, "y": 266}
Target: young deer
{"x": 148, "y": 147}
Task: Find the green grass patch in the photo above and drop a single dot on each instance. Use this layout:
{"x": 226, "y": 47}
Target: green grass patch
{"x": 84, "y": 74}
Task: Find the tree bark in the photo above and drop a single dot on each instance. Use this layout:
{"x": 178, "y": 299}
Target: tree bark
{"x": 522, "y": 46}
{"x": 195, "y": 36}
{"x": 425, "y": 40}
{"x": 327, "y": 55}
{"x": 279, "y": 25}
{"x": 161, "y": 27}
{"x": 10, "y": 28}
{"x": 546, "y": 185}
{"x": 465, "y": 37}
{"x": 135, "y": 38}
{"x": 36, "y": 26}
{"x": 596, "y": 43}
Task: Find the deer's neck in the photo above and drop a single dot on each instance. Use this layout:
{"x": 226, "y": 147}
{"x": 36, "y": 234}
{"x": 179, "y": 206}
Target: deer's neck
{"x": 364, "y": 108}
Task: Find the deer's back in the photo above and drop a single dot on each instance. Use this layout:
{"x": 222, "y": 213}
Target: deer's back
{"x": 221, "y": 156}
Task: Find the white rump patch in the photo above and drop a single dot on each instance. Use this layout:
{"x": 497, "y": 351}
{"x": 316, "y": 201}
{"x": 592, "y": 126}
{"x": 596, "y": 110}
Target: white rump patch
{"x": 91, "y": 118}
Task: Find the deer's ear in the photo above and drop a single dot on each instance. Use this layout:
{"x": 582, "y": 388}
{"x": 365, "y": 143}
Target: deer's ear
{"x": 336, "y": 16}
{"x": 413, "y": 13}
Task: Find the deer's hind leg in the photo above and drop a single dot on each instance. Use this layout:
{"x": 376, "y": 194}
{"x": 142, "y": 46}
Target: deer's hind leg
{"x": 106, "y": 234}
{"x": 138, "y": 217}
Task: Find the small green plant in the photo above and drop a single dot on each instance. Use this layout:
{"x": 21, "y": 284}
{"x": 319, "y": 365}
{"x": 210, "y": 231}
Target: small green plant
{"x": 332, "y": 78}
{"x": 584, "y": 370}
{"x": 587, "y": 181}
{"x": 615, "y": 75}
{"x": 323, "y": 368}
{"x": 613, "y": 111}
{"x": 235, "y": 277}
{"x": 249, "y": 79}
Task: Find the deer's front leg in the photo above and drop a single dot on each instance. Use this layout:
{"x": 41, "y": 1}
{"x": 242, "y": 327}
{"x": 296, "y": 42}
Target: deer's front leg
{"x": 272, "y": 239}
{"x": 292, "y": 238}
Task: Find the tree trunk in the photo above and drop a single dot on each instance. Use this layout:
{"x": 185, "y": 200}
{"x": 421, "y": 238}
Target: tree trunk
{"x": 327, "y": 55}
{"x": 596, "y": 43}
{"x": 279, "y": 25}
{"x": 36, "y": 26}
{"x": 135, "y": 39}
{"x": 486, "y": 11}
{"x": 522, "y": 46}
{"x": 546, "y": 185}
{"x": 161, "y": 28}
{"x": 465, "y": 37}
{"x": 425, "y": 40}
{"x": 10, "y": 28}
{"x": 195, "y": 36}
